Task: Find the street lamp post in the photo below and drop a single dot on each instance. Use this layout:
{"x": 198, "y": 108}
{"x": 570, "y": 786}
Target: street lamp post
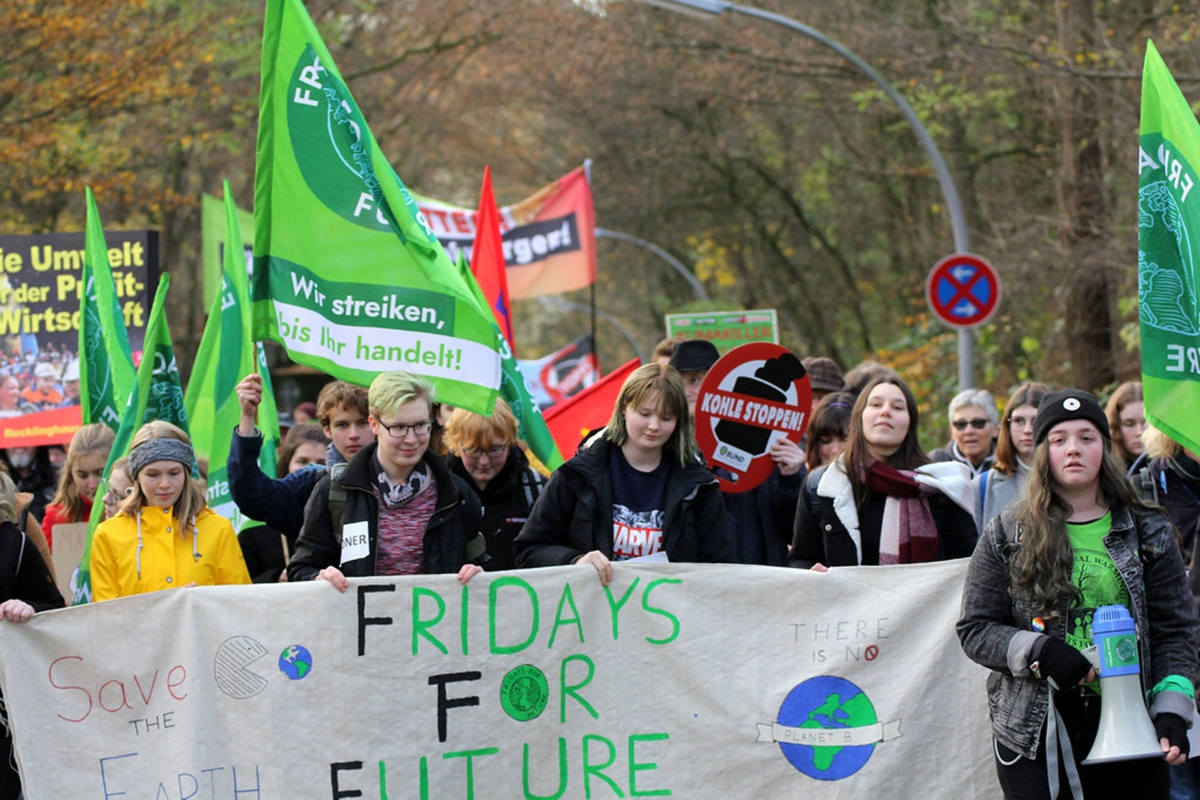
{"x": 958, "y": 223}
{"x": 674, "y": 262}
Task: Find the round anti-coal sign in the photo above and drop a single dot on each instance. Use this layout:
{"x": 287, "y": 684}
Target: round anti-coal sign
{"x": 755, "y": 395}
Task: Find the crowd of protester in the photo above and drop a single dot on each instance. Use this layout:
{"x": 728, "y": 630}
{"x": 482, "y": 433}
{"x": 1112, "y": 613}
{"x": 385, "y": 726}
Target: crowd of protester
{"x": 383, "y": 480}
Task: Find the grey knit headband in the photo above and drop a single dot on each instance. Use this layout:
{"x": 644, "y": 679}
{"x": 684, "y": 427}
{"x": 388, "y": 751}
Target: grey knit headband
{"x": 164, "y": 449}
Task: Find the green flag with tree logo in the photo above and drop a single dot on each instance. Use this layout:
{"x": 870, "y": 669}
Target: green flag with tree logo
{"x": 156, "y": 394}
{"x": 348, "y": 275}
{"x": 1169, "y": 255}
{"x": 104, "y": 354}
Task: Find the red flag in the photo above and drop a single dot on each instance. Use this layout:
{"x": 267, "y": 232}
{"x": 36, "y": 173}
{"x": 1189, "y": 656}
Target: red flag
{"x": 570, "y": 420}
{"x": 487, "y": 259}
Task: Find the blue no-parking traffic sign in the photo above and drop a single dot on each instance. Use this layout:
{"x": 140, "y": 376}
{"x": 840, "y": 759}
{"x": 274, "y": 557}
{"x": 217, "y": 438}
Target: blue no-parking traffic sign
{"x": 963, "y": 290}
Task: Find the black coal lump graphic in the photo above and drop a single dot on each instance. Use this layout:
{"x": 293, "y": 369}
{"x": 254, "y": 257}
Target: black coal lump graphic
{"x": 769, "y": 382}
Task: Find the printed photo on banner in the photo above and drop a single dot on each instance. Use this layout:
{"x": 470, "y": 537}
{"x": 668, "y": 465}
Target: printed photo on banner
{"x": 40, "y": 291}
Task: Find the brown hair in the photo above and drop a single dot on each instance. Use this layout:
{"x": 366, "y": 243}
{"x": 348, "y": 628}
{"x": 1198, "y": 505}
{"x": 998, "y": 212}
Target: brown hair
{"x": 1042, "y": 565}
{"x": 1128, "y": 392}
{"x": 94, "y": 438}
{"x": 857, "y": 458}
{"x": 337, "y": 394}
{"x": 304, "y": 433}
{"x": 1027, "y": 394}
{"x": 831, "y": 418}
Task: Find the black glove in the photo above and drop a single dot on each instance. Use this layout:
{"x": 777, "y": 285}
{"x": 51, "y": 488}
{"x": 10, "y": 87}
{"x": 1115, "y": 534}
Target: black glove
{"x": 1059, "y": 663}
{"x": 1172, "y": 728}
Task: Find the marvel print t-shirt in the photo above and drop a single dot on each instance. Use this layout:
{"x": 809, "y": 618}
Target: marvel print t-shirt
{"x": 638, "y": 499}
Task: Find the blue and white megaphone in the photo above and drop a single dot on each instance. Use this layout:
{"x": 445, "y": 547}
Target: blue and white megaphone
{"x": 1125, "y": 731}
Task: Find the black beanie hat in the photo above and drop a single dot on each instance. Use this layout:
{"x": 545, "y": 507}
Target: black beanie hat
{"x": 1067, "y": 405}
{"x": 694, "y": 355}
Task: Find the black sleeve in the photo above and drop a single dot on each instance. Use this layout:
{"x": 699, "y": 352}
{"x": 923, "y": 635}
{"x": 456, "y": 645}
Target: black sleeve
{"x": 808, "y": 544}
{"x": 262, "y": 548}
{"x": 956, "y": 530}
{"x": 34, "y": 584}
{"x": 785, "y": 495}
{"x": 542, "y": 542}
{"x": 715, "y": 526}
{"x": 318, "y": 545}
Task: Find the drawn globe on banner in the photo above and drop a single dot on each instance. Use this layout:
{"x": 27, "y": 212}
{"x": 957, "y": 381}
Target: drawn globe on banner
{"x": 295, "y": 662}
{"x": 828, "y": 703}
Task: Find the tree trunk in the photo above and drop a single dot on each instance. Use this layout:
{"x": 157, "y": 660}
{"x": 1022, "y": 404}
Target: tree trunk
{"x": 1083, "y": 200}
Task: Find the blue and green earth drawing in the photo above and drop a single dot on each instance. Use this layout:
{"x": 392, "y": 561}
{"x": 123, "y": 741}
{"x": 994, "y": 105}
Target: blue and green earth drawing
{"x": 827, "y": 702}
{"x": 295, "y": 662}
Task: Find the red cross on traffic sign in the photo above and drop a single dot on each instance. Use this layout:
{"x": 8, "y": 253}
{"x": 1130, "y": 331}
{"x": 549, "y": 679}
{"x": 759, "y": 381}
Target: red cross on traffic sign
{"x": 963, "y": 290}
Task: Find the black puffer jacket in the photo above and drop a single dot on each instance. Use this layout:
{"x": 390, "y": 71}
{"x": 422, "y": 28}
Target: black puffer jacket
{"x": 454, "y": 523}
{"x": 574, "y": 514}
{"x": 507, "y": 500}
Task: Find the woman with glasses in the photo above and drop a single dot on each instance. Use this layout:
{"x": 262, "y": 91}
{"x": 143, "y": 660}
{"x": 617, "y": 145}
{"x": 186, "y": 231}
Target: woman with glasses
{"x": 881, "y": 501}
{"x": 395, "y": 508}
{"x": 974, "y": 423}
{"x": 1000, "y": 487}
{"x": 485, "y": 453}
{"x": 120, "y": 486}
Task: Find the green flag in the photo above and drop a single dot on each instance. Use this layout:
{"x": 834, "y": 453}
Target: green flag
{"x": 156, "y": 395}
{"x": 348, "y": 275}
{"x": 107, "y": 366}
{"x": 1169, "y": 255}
{"x": 531, "y": 427}
{"x": 227, "y": 353}
{"x": 268, "y": 418}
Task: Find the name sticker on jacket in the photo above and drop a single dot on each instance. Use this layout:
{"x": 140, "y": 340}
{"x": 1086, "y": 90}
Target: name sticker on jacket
{"x": 355, "y": 541}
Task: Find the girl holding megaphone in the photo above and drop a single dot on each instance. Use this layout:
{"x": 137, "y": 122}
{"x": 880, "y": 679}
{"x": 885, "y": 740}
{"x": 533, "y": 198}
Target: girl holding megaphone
{"x": 1080, "y": 539}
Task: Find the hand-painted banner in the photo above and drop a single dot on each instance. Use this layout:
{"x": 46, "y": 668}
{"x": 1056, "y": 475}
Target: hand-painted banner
{"x": 682, "y": 680}
{"x": 549, "y": 237}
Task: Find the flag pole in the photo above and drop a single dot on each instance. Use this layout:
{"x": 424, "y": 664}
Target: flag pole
{"x": 595, "y": 343}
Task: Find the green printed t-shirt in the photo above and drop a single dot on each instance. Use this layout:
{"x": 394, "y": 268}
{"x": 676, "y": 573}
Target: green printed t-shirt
{"x": 1097, "y": 577}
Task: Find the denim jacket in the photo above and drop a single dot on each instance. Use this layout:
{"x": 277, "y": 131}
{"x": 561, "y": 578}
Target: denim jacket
{"x": 996, "y": 629}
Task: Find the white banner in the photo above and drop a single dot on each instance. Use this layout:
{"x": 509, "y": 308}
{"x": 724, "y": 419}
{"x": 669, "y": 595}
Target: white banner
{"x": 690, "y": 681}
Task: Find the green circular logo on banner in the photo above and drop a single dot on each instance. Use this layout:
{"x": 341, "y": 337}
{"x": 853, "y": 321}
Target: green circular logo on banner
{"x": 330, "y": 144}
{"x": 524, "y": 692}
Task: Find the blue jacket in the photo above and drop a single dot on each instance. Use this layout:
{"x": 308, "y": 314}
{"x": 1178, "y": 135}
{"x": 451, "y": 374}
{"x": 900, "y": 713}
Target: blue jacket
{"x": 279, "y": 503}
{"x": 996, "y": 629}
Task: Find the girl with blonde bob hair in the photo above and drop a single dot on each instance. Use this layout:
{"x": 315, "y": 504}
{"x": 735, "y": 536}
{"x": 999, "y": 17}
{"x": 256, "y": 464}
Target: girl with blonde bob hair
{"x": 486, "y": 454}
{"x": 639, "y": 489}
{"x": 80, "y": 477}
{"x": 164, "y": 535}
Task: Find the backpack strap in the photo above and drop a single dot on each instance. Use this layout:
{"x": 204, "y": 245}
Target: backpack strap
{"x": 814, "y": 480}
{"x": 983, "y": 482}
{"x": 1146, "y": 484}
{"x": 337, "y": 497}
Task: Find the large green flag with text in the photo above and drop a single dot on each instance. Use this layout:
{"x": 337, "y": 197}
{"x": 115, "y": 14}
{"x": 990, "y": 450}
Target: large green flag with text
{"x": 531, "y": 427}
{"x": 227, "y": 353}
{"x": 156, "y": 395}
{"x": 107, "y": 365}
{"x": 1169, "y": 255}
{"x": 348, "y": 275}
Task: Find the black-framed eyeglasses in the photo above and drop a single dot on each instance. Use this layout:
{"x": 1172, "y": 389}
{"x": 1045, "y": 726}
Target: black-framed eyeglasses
{"x": 397, "y": 431}
{"x": 977, "y": 423}
{"x": 492, "y": 452}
